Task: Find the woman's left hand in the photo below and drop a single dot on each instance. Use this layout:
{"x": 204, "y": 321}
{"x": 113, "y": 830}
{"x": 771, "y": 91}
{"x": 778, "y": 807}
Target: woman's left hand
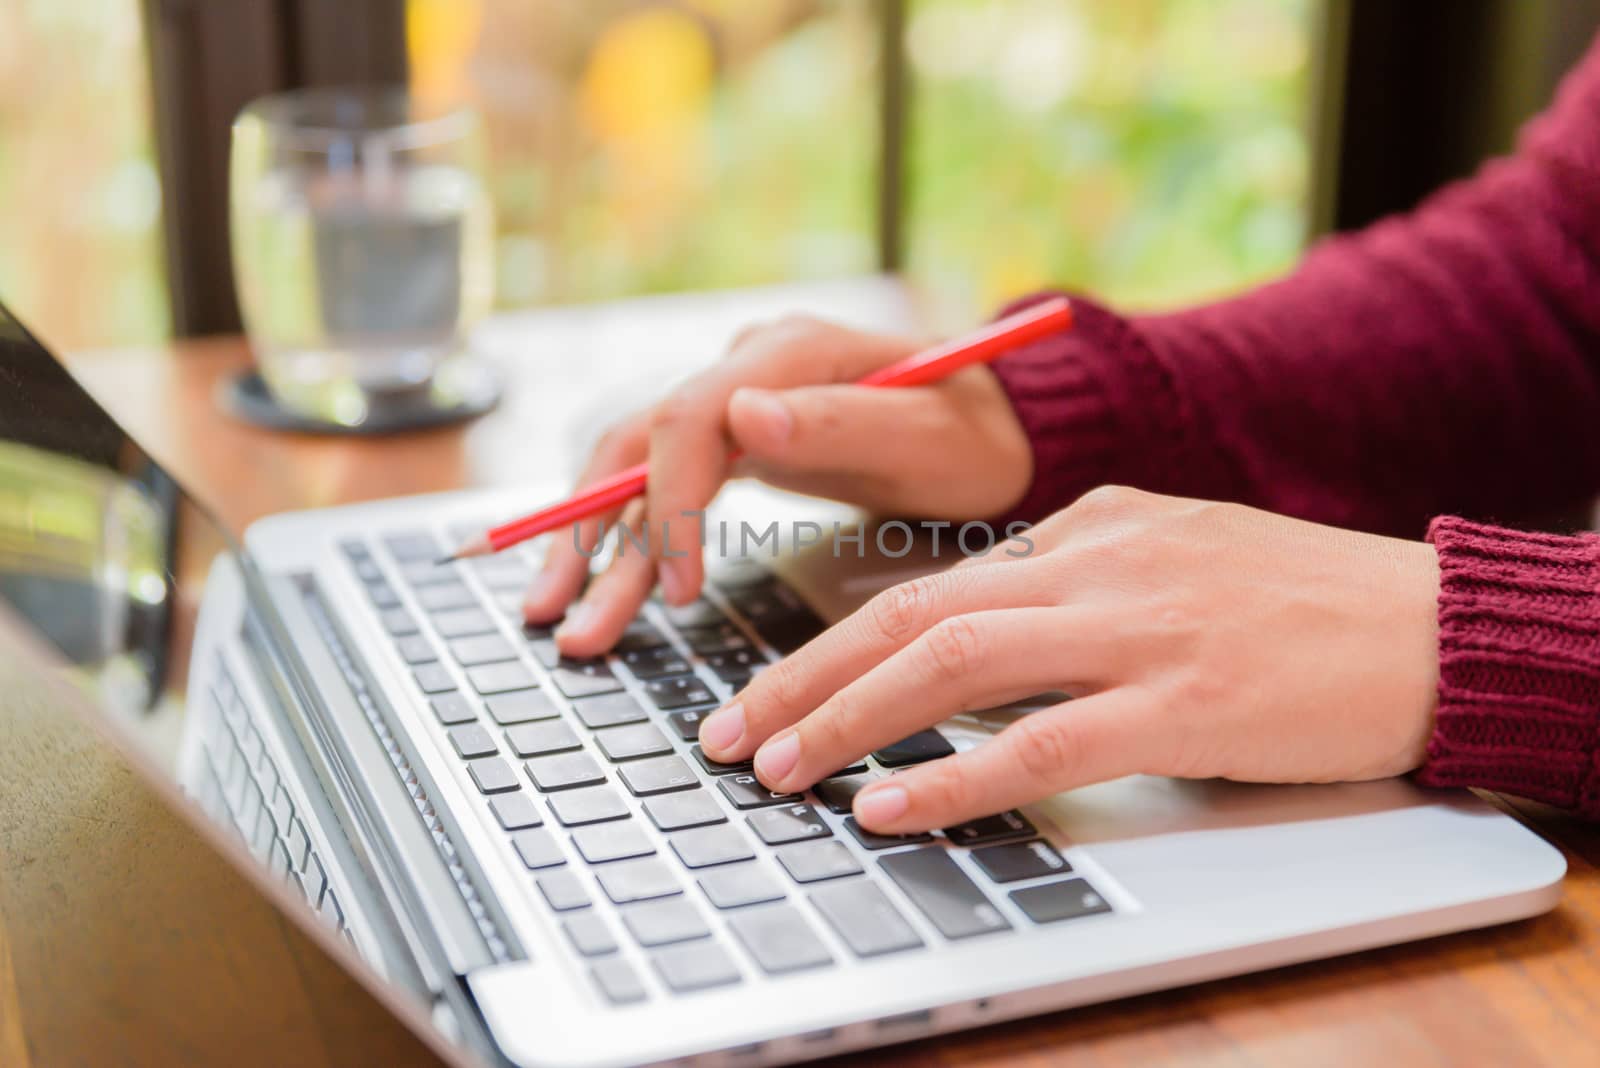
{"x": 1196, "y": 640}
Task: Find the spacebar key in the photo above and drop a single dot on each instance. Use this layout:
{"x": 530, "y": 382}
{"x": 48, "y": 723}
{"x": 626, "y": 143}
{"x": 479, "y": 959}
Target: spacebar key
{"x": 938, "y": 886}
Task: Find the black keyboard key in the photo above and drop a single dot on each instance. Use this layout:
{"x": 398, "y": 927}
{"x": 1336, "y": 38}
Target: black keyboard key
{"x": 1011, "y": 824}
{"x": 522, "y": 706}
{"x": 762, "y": 601}
{"x": 500, "y": 678}
{"x": 470, "y": 740}
{"x": 640, "y": 635}
{"x": 688, "y": 808}
{"x": 383, "y": 595}
{"x": 697, "y": 613}
{"x": 810, "y": 862}
{"x": 609, "y": 710}
{"x": 542, "y": 738}
{"x": 678, "y": 691}
{"x": 463, "y": 622}
{"x": 704, "y": 847}
{"x": 618, "y": 981}
{"x": 445, "y": 596}
{"x": 632, "y": 743}
{"x": 662, "y": 923}
{"x": 452, "y": 708}
{"x": 714, "y": 767}
{"x": 591, "y": 804}
{"x": 415, "y": 649}
{"x": 917, "y": 749}
{"x": 564, "y": 772}
{"x": 736, "y": 666}
{"x": 938, "y": 886}
{"x": 433, "y": 678}
{"x": 638, "y": 880}
{"x": 481, "y": 649}
{"x": 538, "y": 848}
{"x": 493, "y": 775}
{"x": 687, "y": 722}
{"x": 397, "y": 622}
{"x": 563, "y": 890}
{"x": 869, "y": 840}
{"x": 583, "y": 678}
{"x": 427, "y": 573}
{"x": 789, "y": 632}
{"x": 780, "y": 939}
{"x": 590, "y": 935}
{"x": 599, "y": 843}
{"x": 864, "y": 918}
{"x": 515, "y": 811}
{"x": 1066, "y": 900}
{"x": 653, "y": 663}
{"x": 412, "y": 545}
{"x": 1011, "y": 861}
{"x": 695, "y": 966}
{"x": 746, "y": 791}
{"x": 736, "y": 885}
{"x": 657, "y": 775}
{"x": 839, "y": 794}
{"x": 792, "y": 823}
{"x": 722, "y": 638}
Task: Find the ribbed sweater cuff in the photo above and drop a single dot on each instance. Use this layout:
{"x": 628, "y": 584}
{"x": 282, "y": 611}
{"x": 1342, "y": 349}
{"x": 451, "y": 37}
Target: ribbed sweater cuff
{"x": 1519, "y": 664}
{"x": 1095, "y": 403}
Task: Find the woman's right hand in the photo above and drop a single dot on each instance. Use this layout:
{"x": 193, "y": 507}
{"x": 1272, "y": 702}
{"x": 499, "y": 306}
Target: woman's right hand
{"x": 950, "y": 450}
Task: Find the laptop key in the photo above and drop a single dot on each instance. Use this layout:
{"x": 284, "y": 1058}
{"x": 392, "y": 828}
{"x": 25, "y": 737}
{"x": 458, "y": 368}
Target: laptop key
{"x": 638, "y": 880}
{"x": 792, "y": 823}
{"x": 735, "y": 665}
{"x": 689, "y": 808}
{"x": 609, "y": 710}
{"x": 481, "y": 649}
{"x": 545, "y": 650}
{"x": 383, "y": 595}
{"x": 917, "y": 749}
{"x": 654, "y": 662}
{"x": 542, "y": 738}
{"x": 1011, "y": 824}
{"x": 697, "y": 613}
{"x": 704, "y": 847}
{"x": 500, "y": 678}
{"x": 407, "y": 546}
{"x": 735, "y": 885}
{"x": 839, "y": 794}
{"x": 640, "y": 635}
{"x": 632, "y": 742}
{"x": 515, "y": 811}
{"x": 463, "y": 623}
{"x": 1011, "y": 861}
{"x": 780, "y": 939}
{"x": 812, "y": 862}
{"x": 521, "y": 706}
{"x": 661, "y": 923}
{"x": 869, "y": 840}
{"x": 433, "y": 678}
{"x": 686, "y": 723}
{"x": 746, "y": 791}
{"x": 864, "y": 918}
{"x": 470, "y": 740}
{"x": 538, "y": 848}
{"x": 714, "y": 767}
{"x": 564, "y": 771}
{"x": 445, "y": 596}
{"x": 502, "y": 573}
{"x": 563, "y": 890}
{"x": 657, "y": 775}
{"x": 583, "y": 678}
{"x": 942, "y": 891}
{"x": 721, "y": 638}
{"x": 589, "y": 934}
{"x": 367, "y": 569}
{"x": 452, "y": 708}
{"x": 415, "y": 649}
{"x": 427, "y": 573}
{"x": 603, "y": 842}
{"x": 591, "y": 804}
{"x": 355, "y": 549}
{"x": 678, "y": 691}
{"x": 493, "y": 775}
{"x": 618, "y": 981}
{"x": 695, "y": 966}
{"x": 1065, "y": 900}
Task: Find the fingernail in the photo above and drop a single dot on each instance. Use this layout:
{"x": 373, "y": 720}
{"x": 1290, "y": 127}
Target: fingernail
{"x": 772, "y": 411}
{"x": 723, "y": 728}
{"x": 881, "y": 805}
{"x": 674, "y": 580}
{"x": 577, "y": 620}
{"x": 776, "y": 759}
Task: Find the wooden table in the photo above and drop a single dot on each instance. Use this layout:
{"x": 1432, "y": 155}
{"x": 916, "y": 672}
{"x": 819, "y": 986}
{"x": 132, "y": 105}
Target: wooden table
{"x": 1524, "y": 993}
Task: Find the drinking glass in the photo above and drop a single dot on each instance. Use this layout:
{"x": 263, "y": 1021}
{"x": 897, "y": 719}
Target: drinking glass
{"x": 361, "y": 236}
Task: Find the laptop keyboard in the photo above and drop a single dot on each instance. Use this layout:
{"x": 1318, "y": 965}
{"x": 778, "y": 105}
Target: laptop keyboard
{"x": 575, "y": 759}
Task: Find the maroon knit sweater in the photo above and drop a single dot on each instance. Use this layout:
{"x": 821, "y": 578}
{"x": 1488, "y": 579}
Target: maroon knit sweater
{"x": 1438, "y": 364}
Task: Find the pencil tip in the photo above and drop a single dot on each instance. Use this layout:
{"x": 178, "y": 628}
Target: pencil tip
{"x": 445, "y": 560}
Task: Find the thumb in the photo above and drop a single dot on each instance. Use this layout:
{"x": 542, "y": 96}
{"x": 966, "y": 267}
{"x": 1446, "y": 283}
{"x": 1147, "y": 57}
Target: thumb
{"x": 832, "y": 429}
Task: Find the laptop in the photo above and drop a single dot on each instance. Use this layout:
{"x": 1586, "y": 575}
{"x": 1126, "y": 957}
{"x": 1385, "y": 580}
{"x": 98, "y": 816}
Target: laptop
{"x": 535, "y": 851}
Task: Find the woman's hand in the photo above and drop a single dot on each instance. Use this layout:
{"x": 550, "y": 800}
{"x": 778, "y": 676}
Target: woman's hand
{"x": 1197, "y": 640}
{"x": 952, "y": 450}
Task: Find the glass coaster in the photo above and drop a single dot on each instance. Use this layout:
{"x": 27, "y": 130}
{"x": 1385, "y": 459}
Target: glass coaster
{"x": 463, "y": 389}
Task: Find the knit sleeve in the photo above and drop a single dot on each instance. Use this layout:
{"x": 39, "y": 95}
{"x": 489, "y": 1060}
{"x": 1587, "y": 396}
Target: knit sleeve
{"x": 1519, "y": 664}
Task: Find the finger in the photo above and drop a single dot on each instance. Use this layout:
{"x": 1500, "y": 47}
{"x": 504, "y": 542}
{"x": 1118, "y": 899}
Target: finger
{"x": 612, "y": 600}
{"x": 788, "y": 690}
{"x": 964, "y": 662}
{"x": 839, "y": 428}
{"x": 1092, "y": 739}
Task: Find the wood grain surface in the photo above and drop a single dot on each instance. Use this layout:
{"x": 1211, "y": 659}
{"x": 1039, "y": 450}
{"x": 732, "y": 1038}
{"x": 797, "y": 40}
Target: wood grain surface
{"x": 1525, "y": 993}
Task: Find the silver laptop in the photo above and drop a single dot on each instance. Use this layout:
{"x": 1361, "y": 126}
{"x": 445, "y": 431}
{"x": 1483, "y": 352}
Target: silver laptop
{"x": 537, "y": 848}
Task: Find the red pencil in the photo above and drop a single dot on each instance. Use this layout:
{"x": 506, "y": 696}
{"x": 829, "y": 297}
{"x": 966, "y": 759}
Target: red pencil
{"x": 930, "y": 365}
